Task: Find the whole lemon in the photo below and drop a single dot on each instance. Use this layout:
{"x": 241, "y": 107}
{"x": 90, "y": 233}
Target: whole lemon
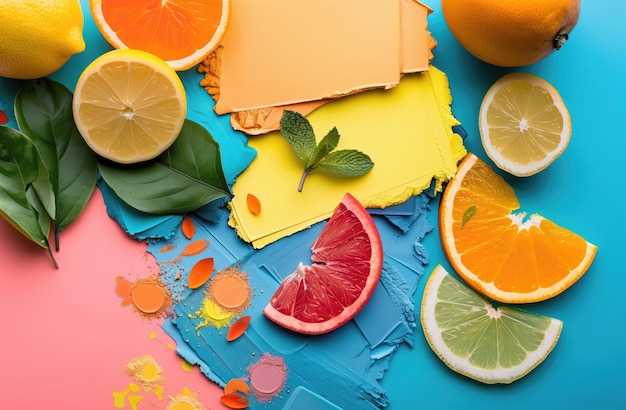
{"x": 38, "y": 36}
{"x": 511, "y": 33}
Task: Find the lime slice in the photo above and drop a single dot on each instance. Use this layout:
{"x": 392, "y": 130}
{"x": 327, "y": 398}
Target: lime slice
{"x": 478, "y": 340}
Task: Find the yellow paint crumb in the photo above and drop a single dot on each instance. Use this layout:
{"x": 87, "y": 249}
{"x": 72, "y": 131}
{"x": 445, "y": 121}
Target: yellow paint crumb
{"x": 159, "y": 392}
{"x": 187, "y": 366}
{"x": 186, "y": 400}
{"x": 134, "y": 400}
{"x": 212, "y": 314}
{"x": 146, "y": 372}
{"x": 119, "y": 398}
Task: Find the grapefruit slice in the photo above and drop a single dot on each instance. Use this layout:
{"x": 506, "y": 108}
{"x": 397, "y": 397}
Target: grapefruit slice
{"x": 347, "y": 263}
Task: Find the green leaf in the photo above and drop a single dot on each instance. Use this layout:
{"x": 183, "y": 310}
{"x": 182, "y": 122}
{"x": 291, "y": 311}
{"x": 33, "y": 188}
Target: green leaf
{"x": 185, "y": 177}
{"x": 326, "y": 145}
{"x": 21, "y": 170}
{"x": 347, "y": 162}
{"x": 299, "y": 133}
{"x": 467, "y": 215}
{"x": 43, "y": 110}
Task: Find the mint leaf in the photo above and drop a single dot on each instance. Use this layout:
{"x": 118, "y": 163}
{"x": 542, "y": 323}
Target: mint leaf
{"x": 467, "y": 215}
{"x": 326, "y": 145}
{"x": 347, "y": 162}
{"x": 299, "y": 133}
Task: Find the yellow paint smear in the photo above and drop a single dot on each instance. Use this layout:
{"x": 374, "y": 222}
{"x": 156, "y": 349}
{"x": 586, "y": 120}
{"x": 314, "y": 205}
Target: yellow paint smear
{"x": 146, "y": 372}
{"x": 407, "y": 131}
{"x": 212, "y": 314}
{"x": 186, "y": 400}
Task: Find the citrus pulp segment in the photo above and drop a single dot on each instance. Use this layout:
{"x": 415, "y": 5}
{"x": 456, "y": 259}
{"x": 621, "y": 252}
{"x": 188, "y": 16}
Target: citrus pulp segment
{"x": 502, "y": 254}
{"x": 181, "y": 32}
{"x": 347, "y": 264}
{"x": 129, "y": 106}
{"x": 478, "y": 340}
{"x": 524, "y": 124}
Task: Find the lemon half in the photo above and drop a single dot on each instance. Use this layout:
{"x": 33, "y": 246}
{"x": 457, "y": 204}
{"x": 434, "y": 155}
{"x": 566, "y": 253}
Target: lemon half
{"x": 129, "y": 106}
{"x": 524, "y": 124}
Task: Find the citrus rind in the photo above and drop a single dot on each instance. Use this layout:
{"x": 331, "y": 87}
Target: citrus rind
{"x": 506, "y": 127}
{"x": 460, "y": 325}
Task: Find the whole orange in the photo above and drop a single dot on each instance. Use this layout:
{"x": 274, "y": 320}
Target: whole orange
{"x": 511, "y": 33}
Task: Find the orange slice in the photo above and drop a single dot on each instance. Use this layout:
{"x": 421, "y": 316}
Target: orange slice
{"x": 181, "y": 32}
{"x": 501, "y": 253}
{"x": 347, "y": 263}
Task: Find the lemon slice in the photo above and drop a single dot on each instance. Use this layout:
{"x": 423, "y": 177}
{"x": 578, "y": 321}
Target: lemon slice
{"x": 129, "y": 106}
{"x": 473, "y": 338}
{"x": 524, "y": 124}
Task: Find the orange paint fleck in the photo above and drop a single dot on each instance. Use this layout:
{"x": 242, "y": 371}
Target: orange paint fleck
{"x": 230, "y": 292}
{"x": 194, "y": 248}
{"x": 254, "y": 205}
{"x": 188, "y": 227}
{"x": 148, "y": 297}
{"x": 167, "y": 247}
{"x": 237, "y": 386}
{"x": 122, "y": 287}
{"x": 200, "y": 273}
{"x": 238, "y": 328}
{"x": 234, "y": 401}
{"x": 128, "y": 301}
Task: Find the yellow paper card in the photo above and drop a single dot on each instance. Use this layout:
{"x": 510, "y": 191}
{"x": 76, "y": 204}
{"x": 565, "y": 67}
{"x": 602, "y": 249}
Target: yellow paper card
{"x": 406, "y": 131}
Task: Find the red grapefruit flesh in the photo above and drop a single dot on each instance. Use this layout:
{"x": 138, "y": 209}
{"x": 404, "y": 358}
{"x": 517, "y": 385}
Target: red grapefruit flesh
{"x": 347, "y": 263}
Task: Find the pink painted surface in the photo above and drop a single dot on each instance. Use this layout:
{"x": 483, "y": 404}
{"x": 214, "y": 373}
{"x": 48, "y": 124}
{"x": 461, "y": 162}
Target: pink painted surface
{"x": 66, "y": 340}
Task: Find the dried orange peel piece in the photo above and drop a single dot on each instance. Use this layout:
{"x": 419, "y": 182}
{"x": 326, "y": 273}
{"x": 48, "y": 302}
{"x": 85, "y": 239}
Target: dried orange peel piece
{"x": 200, "y": 273}
{"x": 238, "y": 328}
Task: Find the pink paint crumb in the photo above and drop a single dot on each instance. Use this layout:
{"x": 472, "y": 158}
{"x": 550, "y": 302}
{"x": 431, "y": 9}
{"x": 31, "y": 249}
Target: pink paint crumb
{"x": 267, "y": 377}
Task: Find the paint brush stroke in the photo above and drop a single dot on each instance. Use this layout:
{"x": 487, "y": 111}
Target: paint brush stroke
{"x": 311, "y": 361}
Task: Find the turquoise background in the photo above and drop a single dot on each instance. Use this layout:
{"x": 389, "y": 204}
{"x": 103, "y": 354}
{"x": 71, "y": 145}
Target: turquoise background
{"x": 582, "y": 191}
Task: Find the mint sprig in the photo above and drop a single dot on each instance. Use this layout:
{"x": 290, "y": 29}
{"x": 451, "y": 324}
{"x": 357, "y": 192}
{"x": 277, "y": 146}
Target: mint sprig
{"x": 300, "y": 135}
